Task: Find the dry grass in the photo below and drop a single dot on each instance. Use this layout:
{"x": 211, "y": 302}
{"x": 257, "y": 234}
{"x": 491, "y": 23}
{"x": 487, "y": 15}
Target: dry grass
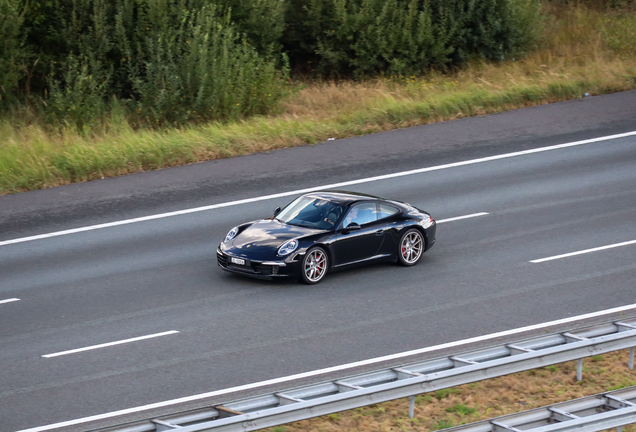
{"x": 575, "y": 49}
{"x": 481, "y": 400}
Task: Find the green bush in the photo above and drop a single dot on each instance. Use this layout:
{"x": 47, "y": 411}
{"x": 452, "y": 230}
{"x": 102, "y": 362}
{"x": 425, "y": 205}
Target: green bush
{"x": 169, "y": 61}
{"x": 190, "y": 65}
{"x": 76, "y": 98}
{"x": 261, "y": 21}
{"x": 619, "y": 33}
{"x": 172, "y": 62}
{"x": 11, "y": 49}
{"x": 80, "y": 81}
{"x": 366, "y": 37}
{"x": 390, "y": 36}
{"x": 491, "y": 29}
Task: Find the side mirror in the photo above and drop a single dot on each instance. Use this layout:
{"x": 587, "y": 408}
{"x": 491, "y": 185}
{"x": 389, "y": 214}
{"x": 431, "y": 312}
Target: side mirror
{"x": 276, "y": 211}
{"x": 353, "y": 226}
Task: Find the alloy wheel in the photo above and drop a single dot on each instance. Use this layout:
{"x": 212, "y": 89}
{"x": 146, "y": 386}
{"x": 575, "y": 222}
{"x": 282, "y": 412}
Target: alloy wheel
{"x": 411, "y": 247}
{"x": 315, "y": 265}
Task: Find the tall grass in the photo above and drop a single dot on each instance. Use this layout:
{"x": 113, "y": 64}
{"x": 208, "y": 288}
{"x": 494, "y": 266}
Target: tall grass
{"x": 584, "y": 51}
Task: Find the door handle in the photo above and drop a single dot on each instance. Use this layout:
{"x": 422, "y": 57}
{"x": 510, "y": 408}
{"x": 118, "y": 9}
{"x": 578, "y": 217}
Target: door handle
{"x": 379, "y": 232}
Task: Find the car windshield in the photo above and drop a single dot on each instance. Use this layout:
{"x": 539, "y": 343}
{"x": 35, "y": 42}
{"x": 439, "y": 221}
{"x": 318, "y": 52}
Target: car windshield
{"x": 311, "y": 212}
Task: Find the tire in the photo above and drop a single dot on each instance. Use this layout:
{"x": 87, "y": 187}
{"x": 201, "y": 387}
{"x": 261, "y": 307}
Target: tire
{"x": 411, "y": 247}
{"x": 314, "y": 266}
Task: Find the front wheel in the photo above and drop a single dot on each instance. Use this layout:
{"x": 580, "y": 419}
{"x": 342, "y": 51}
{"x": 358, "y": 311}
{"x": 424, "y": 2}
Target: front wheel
{"x": 314, "y": 266}
{"x": 411, "y": 247}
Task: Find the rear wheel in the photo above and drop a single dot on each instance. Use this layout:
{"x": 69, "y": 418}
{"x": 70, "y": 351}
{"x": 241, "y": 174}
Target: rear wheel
{"x": 411, "y": 247}
{"x": 314, "y": 266}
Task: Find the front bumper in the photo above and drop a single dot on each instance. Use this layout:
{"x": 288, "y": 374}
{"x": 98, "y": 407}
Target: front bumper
{"x": 259, "y": 269}
{"x": 430, "y": 235}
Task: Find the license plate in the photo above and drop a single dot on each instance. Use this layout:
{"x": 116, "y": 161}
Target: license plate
{"x": 238, "y": 261}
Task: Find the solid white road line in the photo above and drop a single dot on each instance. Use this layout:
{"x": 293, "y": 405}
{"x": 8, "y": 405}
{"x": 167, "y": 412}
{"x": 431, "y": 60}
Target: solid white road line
{"x": 9, "y": 300}
{"x": 73, "y": 351}
{"x": 453, "y": 219}
{"x": 328, "y": 370}
{"x": 596, "y": 249}
{"x": 329, "y": 186}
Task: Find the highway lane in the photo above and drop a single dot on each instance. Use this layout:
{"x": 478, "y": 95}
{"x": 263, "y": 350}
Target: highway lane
{"x": 113, "y": 284}
{"x": 225, "y": 180}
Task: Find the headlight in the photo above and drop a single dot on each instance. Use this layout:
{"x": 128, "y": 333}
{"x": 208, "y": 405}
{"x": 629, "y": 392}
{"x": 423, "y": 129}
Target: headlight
{"x": 288, "y": 247}
{"x": 231, "y": 234}
{"x": 426, "y": 221}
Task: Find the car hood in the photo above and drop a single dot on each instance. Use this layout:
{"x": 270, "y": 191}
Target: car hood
{"x": 262, "y": 239}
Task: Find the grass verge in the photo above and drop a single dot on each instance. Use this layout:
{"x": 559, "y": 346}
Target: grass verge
{"x": 584, "y": 51}
{"x": 481, "y": 400}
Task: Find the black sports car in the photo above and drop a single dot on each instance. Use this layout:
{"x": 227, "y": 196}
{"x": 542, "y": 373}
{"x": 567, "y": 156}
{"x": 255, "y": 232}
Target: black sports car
{"x": 324, "y": 231}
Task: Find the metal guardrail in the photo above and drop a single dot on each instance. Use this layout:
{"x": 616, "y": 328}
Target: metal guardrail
{"x": 589, "y": 414}
{"x": 407, "y": 381}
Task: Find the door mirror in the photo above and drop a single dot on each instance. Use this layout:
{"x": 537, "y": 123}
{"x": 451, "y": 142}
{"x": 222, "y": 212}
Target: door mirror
{"x": 352, "y": 227}
{"x": 276, "y": 211}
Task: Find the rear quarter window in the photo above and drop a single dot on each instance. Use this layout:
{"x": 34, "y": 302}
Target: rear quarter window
{"x": 385, "y": 210}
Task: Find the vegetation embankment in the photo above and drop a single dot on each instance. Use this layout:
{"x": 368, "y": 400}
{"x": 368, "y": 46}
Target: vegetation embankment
{"x": 481, "y": 400}
{"x": 91, "y": 89}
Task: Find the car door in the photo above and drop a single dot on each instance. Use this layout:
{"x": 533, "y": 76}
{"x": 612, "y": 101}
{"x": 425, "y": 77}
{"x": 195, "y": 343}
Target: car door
{"x": 353, "y": 245}
{"x": 387, "y": 221}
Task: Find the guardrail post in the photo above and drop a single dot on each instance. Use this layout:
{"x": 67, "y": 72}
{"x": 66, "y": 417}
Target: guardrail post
{"x": 579, "y": 369}
{"x": 412, "y": 407}
{"x": 631, "y": 358}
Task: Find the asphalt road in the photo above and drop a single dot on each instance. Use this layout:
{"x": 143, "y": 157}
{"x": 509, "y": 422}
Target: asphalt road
{"x": 146, "y": 278}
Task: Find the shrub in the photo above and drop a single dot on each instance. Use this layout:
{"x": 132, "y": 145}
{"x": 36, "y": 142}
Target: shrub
{"x": 80, "y": 79}
{"x": 261, "y": 21}
{"x": 76, "y": 97}
{"x": 492, "y": 29}
{"x": 11, "y": 48}
{"x": 169, "y": 61}
{"x": 619, "y": 33}
{"x": 189, "y": 65}
{"x": 369, "y": 36}
{"x": 365, "y": 37}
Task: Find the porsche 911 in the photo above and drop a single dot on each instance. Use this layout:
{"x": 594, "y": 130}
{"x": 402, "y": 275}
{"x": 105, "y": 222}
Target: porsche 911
{"x": 325, "y": 231}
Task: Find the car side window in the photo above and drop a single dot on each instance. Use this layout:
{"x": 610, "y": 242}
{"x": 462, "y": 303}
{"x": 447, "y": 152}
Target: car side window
{"x": 361, "y": 214}
{"x": 386, "y": 211}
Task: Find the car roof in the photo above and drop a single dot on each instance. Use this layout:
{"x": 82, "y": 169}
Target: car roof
{"x": 346, "y": 197}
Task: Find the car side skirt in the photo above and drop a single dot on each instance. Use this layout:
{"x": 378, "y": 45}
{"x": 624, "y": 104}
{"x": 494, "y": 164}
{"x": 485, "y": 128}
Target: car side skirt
{"x": 384, "y": 257}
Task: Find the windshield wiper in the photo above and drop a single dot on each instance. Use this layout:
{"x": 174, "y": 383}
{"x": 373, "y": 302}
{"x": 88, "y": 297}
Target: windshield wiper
{"x": 299, "y": 225}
